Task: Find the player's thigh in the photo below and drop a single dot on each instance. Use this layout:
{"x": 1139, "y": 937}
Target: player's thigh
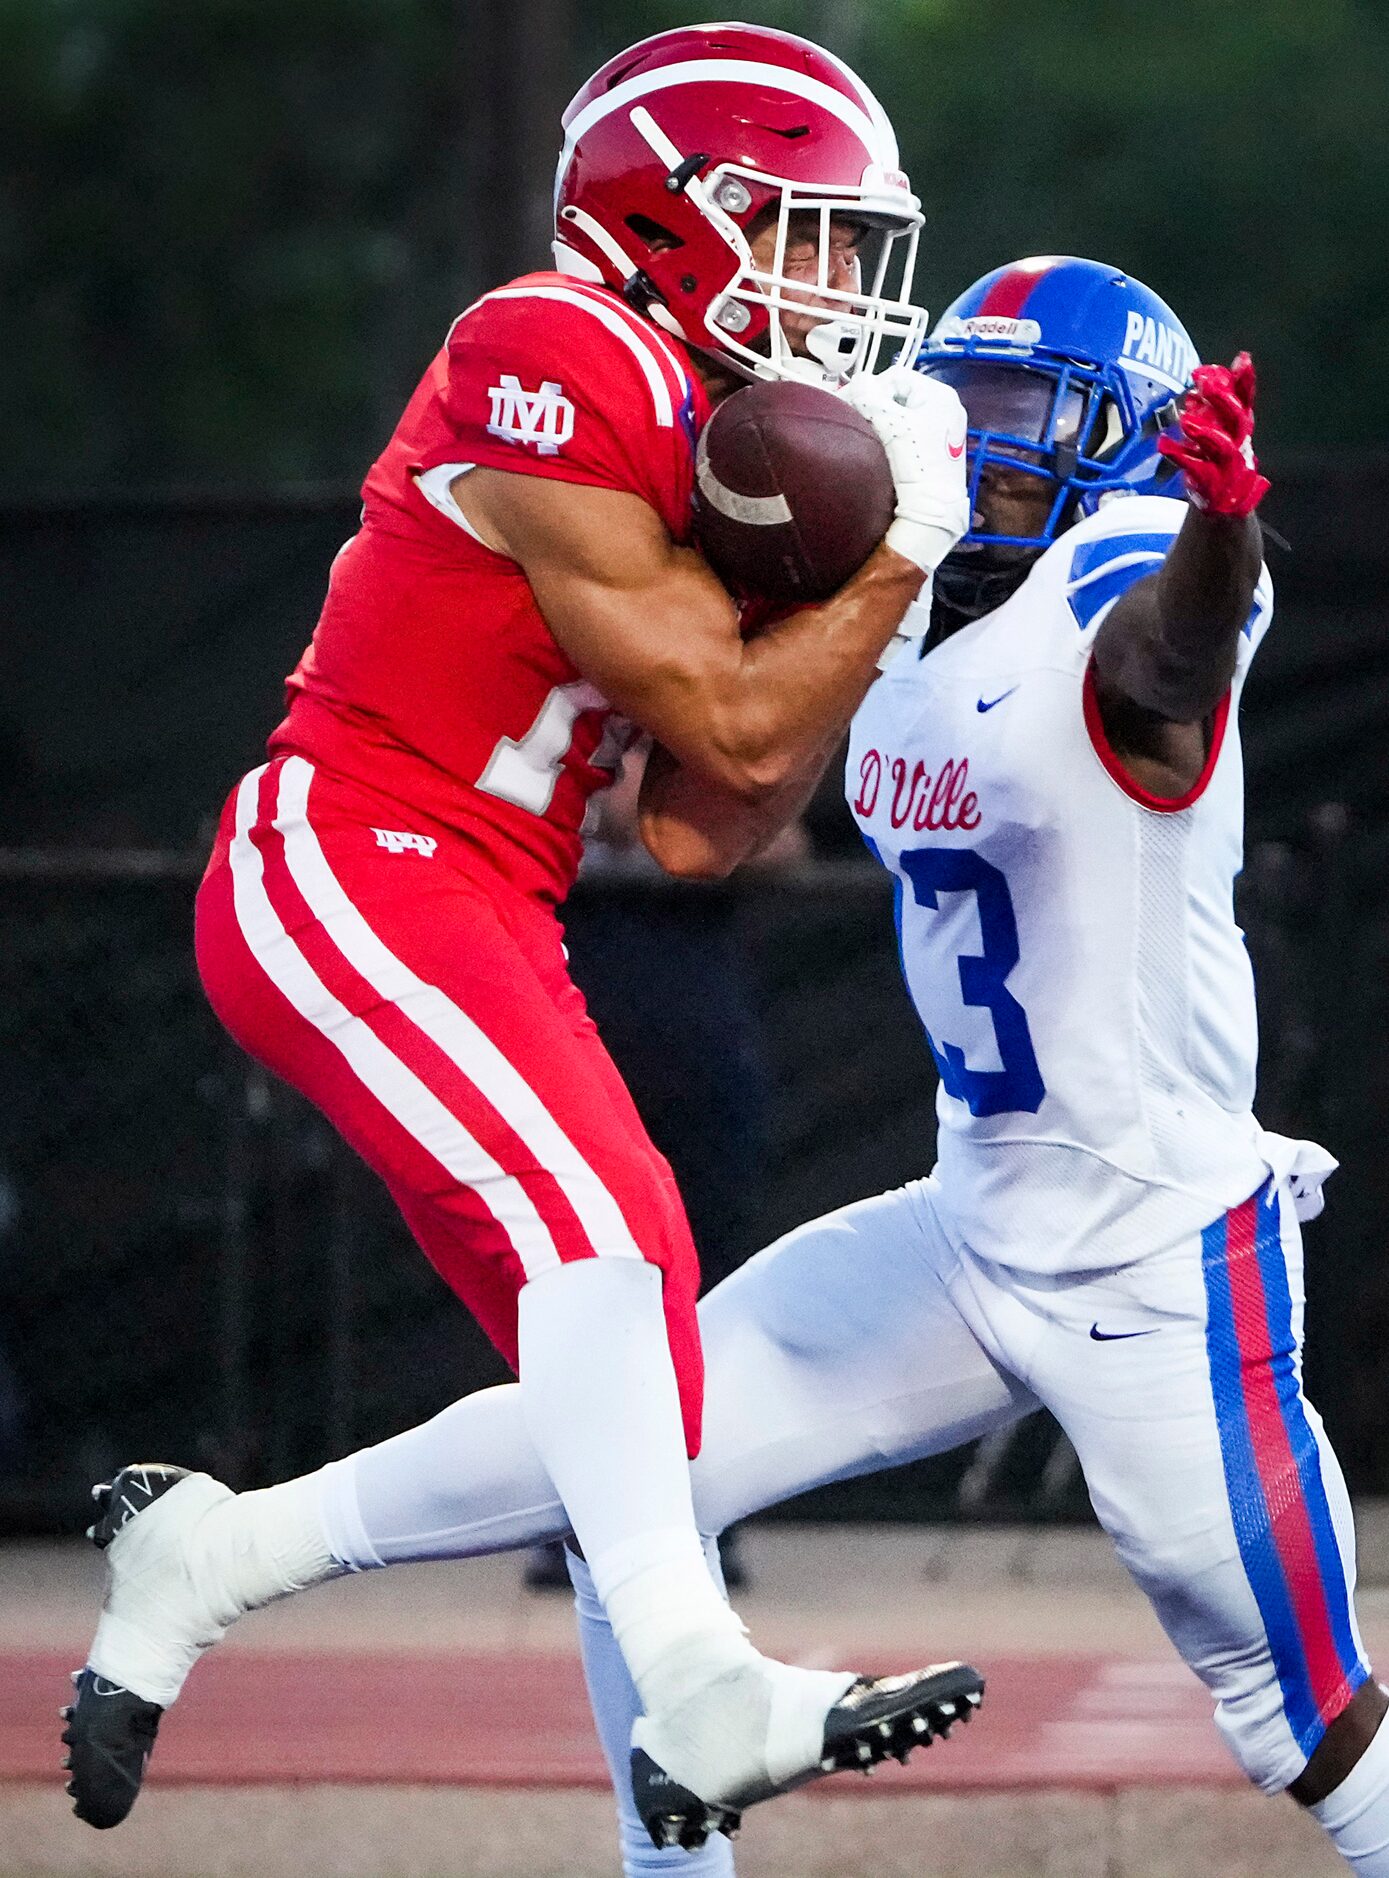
{"x": 426, "y": 1018}
{"x": 835, "y": 1352}
{"x": 1213, "y": 1475}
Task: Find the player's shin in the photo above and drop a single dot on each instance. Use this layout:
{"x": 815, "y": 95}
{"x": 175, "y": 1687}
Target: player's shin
{"x": 616, "y": 1706}
{"x": 599, "y": 1395}
{"x": 463, "y": 1484}
{"x": 1356, "y": 1814}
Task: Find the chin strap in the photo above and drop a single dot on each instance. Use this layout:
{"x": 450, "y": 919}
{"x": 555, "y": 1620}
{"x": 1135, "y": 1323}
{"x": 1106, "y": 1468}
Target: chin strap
{"x": 967, "y": 587}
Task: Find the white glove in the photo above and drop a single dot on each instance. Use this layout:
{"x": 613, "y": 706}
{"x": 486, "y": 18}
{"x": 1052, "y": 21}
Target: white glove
{"x": 922, "y": 424}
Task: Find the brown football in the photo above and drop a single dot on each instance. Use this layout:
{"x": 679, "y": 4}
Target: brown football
{"x": 792, "y": 492}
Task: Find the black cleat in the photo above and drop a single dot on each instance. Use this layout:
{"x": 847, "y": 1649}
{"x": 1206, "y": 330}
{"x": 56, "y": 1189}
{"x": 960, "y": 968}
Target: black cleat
{"x": 671, "y": 1813}
{"x": 882, "y": 1718}
{"x": 110, "y": 1733}
{"x": 877, "y": 1718}
{"x": 134, "y": 1488}
{"x": 110, "y": 1730}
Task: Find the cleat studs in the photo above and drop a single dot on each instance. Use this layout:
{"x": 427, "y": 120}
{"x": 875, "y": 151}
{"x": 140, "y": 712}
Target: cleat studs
{"x": 920, "y": 1726}
{"x": 864, "y": 1752}
{"x": 74, "y": 1677}
{"x": 885, "y": 1730}
{"x": 71, "y": 1789}
{"x": 66, "y": 1762}
{"x": 65, "y": 1712}
{"x": 828, "y": 1765}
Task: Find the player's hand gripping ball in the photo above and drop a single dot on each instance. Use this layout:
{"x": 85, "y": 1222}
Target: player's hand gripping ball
{"x": 1214, "y": 445}
{"x": 792, "y": 492}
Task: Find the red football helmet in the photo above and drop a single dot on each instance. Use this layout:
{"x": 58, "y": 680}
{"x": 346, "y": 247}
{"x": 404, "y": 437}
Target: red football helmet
{"x": 677, "y": 146}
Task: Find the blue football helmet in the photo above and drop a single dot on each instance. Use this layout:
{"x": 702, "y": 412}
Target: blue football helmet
{"x": 1071, "y": 370}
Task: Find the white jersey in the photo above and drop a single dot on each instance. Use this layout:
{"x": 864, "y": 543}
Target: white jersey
{"x": 1069, "y": 940}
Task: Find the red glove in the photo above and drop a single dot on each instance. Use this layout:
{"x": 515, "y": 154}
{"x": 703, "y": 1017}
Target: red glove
{"x": 1214, "y": 445}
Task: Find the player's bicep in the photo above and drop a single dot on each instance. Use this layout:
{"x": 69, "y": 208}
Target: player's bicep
{"x": 641, "y": 617}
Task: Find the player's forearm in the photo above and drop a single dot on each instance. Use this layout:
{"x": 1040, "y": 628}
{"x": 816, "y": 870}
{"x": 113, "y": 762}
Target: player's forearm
{"x": 698, "y": 831}
{"x": 796, "y": 686}
{"x": 1169, "y": 644}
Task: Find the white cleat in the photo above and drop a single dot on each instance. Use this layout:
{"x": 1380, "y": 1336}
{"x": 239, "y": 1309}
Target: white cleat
{"x": 163, "y": 1606}
{"x": 155, "y": 1622}
{"x": 765, "y": 1728}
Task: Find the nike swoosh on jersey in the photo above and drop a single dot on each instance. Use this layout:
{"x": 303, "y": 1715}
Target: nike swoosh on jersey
{"x": 982, "y": 705}
{"x": 1119, "y": 1336}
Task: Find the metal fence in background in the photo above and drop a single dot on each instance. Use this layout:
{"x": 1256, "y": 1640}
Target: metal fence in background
{"x": 192, "y": 1267}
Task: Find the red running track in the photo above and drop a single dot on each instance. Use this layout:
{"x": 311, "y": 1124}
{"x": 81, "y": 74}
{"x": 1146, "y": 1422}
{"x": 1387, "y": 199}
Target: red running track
{"x": 491, "y": 1719}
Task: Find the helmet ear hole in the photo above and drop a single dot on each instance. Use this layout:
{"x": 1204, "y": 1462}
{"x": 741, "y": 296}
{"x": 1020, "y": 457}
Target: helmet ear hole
{"x": 658, "y": 238}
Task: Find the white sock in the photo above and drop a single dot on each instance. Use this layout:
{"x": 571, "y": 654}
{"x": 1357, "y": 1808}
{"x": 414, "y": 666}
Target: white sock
{"x": 190, "y": 1565}
{"x": 255, "y": 1547}
{"x": 467, "y": 1482}
{"x": 599, "y": 1397}
{"x": 616, "y": 1705}
{"x": 1356, "y": 1814}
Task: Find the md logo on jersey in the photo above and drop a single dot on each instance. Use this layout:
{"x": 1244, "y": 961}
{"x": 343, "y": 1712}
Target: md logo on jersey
{"x": 544, "y": 418}
{"x": 399, "y": 841}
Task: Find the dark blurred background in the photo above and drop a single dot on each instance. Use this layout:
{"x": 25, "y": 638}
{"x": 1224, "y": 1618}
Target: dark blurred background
{"x": 231, "y": 237}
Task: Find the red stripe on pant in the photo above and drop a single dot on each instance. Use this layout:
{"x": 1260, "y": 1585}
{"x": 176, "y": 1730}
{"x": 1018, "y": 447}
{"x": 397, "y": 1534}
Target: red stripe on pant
{"x": 1289, "y": 1519}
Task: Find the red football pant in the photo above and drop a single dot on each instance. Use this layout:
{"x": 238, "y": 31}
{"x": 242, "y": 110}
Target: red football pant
{"x": 429, "y": 1014}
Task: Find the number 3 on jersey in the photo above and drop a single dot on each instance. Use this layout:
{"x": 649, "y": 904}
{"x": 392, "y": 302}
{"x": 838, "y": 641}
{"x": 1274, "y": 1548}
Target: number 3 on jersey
{"x": 1018, "y": 1084}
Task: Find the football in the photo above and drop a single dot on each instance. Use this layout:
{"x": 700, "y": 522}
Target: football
{"x": 792, "y": 492}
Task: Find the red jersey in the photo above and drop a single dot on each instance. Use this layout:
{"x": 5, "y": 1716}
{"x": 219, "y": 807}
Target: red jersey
{"x": 432, "y": 680}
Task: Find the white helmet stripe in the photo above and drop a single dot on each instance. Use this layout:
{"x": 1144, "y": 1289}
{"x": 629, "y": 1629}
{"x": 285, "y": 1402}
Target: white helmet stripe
{"x": 873, "y": 132}
{"x": 873, "y": 108}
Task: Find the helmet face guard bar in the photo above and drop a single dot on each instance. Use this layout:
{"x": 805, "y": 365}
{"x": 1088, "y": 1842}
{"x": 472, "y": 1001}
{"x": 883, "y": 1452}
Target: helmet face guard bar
{"x": 1070, "y": 423}
{"x": 856, "y": 322}
{"x": 862, "y": 321}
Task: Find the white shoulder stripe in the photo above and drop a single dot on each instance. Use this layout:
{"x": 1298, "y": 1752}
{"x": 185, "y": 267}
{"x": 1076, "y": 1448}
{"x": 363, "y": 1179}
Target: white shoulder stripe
{"x": 640, "y": 325}
{"x": 649, "y": 350}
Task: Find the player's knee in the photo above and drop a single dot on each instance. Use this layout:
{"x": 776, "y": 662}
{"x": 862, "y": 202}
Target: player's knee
{"x": 1266, "y": 1730}
{"x": 1259, "y": 1741}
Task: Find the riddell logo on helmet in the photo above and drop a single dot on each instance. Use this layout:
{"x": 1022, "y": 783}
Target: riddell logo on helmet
{"x": 994, "y": 327}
